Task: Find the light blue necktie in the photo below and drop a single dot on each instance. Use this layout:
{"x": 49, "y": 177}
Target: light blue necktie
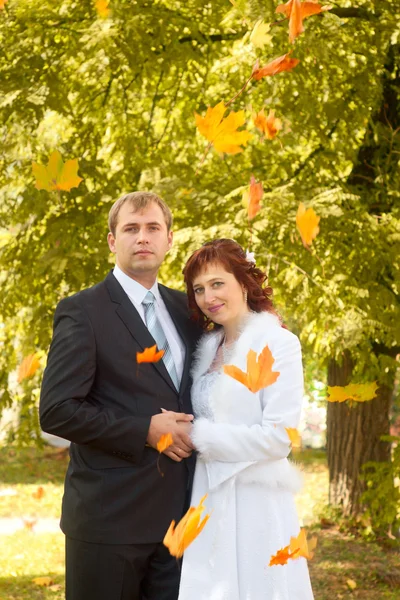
{"x": 157, "y": 332}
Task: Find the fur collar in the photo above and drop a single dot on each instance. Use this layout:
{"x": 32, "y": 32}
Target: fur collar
{"x": 254, "y": 325}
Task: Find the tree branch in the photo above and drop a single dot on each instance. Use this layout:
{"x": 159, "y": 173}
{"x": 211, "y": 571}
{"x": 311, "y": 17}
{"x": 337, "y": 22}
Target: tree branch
{"x": 354, "y": 12}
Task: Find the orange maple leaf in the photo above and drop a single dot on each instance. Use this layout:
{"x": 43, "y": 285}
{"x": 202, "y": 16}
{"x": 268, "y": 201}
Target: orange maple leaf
{"x": 303, "y": 547}
{"x": 28, "y": 367}
{"x": 307, "y": 224}
{"x": 102, "y": 7}
{"x": 178, "y": 538}
{"x": 282, "y": 556}
{"x": 57, "y": 175}
{"x": 164, "y": 442}
{"x": 252, "y": 197}
{"x": 296, "y": 11}
{"x": 39, "y": 493}
{"x": 268, "y": 125}
{"x": 149, "y": 355}
{"x": 259, "y": 371}
{"x": 282, "y": 63}
{"x": 222, "y": 133}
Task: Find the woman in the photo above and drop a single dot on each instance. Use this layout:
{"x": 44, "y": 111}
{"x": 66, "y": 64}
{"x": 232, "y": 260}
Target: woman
{"x": 240, "y": 436}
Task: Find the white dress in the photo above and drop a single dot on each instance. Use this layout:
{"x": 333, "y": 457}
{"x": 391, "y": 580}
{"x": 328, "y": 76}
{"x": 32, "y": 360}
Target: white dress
{"x": 249, "y": 523}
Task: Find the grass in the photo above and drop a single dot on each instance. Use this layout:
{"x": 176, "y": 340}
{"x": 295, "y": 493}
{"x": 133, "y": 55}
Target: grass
{"x": 341, "y": 562}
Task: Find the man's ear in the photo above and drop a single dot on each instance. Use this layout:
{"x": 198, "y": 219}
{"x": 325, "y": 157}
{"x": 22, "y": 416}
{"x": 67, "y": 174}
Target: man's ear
{"x": 111, "y": 242}
{"x": 170, "y": 239}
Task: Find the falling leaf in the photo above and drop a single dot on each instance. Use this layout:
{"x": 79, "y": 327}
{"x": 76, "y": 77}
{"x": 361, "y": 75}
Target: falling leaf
{"x": 282, "y": 63}
{"x": 43, "y": 581}
{"x": 252, "y": 198}
{"x": 294, "y": 436}
{"x": 57, "y": 175}
{"x": 356, "y": 392}
{"x": 28, "y": 367}
{"x": 268, "y": 125}
{"x": 164, "y": 442}
{"x": 149, "y": 355}
{"x": 2, "y": 3}
{"x": 222, "y": 133}
{"x": 39, "y": 493}
{"x": 29, "y": 522}
{"x": 259, "y": 371}
{"x": 259, "y": 36}
{"x": 102, "y": 7}
{"x": 351, "y": 584}
{"x": 178, "y": 538}
{"x": 282, "y": 557}
{"x": 307, "y": 224}
{"x": 296, "y": 11}
{"x": 302, "y": 546}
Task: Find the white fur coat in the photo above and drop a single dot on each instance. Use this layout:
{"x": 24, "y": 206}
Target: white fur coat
{"x": 247, "y": 437}
{"x": 243, "y": 471}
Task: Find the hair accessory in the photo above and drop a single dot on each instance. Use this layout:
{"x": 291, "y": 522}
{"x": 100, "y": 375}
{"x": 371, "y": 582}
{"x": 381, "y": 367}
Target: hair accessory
{"x": 250, "y": 257}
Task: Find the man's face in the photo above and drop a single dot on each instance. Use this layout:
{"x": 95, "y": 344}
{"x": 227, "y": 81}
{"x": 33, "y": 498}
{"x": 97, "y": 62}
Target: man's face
{"x": 141, "y": 240}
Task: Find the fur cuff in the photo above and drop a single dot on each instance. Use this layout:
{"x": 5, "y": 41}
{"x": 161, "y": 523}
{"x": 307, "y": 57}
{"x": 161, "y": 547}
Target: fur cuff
{"x": 203, "y": 438}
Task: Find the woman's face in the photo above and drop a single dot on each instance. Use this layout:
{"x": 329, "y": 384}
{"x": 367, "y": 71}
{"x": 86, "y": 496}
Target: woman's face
{"x": 219, "y": 295}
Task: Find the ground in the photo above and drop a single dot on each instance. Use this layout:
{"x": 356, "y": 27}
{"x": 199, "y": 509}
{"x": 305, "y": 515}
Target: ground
{"x": 31, "y": 545}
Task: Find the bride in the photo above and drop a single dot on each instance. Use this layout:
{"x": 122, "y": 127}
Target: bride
{"x": 240, "y": 436}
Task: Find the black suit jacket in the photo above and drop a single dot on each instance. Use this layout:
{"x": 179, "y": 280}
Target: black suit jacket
{"x": 95, "y": 394}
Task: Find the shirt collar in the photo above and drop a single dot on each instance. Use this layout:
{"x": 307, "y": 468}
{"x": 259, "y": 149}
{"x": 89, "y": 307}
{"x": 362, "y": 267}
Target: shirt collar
{"x": 135, "y": 290}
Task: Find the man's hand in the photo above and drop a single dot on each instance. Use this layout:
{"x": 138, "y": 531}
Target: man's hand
{"x": 179, "y": 426}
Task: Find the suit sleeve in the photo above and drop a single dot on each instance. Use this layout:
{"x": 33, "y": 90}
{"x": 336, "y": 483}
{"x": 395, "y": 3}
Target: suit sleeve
{"x": 66, "y": 408}
{"x": 281, "y": 408}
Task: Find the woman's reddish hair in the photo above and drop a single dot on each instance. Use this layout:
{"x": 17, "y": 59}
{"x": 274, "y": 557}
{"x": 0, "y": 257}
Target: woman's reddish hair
{"x": 232, "y": 257}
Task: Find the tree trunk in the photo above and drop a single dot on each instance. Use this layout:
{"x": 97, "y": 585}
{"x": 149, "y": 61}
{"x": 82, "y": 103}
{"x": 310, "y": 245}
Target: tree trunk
{"x": 353, "y": 436}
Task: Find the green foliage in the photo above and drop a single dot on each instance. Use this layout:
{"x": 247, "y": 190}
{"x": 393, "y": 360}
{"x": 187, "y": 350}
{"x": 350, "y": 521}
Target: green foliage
{"x": 382, "y": 496}
{"x": 120, "y": 93}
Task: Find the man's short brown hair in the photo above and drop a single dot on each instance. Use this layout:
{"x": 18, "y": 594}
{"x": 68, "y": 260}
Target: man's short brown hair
{"x": 139, "y": 201}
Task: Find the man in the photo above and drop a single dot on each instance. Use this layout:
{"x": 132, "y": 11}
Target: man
{"x": 117, "y": 504}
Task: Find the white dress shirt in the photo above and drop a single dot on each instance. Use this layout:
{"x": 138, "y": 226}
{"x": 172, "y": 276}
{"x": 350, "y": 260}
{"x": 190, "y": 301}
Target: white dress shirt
{"x": 136, "y": 293}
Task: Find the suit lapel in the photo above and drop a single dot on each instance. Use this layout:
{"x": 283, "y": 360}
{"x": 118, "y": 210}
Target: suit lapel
{"x": 179, "y": 315}
{"x": 134, "y": 323}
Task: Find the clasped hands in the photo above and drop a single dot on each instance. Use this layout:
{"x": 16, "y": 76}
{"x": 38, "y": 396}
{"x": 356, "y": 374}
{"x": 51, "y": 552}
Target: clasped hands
{"x": 179, "y": 425}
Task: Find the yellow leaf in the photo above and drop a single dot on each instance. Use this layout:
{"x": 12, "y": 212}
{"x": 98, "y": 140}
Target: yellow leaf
{"x": 294, "y": 436}
{"x": 178, "y": 538}
{"x": 351, "y": 584}
{"x": 57, "y": 175}
{"x": 307, "y": 224}
{"x": 356, "y": 392}
{"x": 305, "y": 548}
{"x": 43, "y": 581}
{"x": 259, "y": 372}
{"x": 222, "y": 133}
{"x": 28, "y": 367}
{"x": 102, "y": 7}
{"x": 259, "y": 36}
{"x": 164, "y": 442}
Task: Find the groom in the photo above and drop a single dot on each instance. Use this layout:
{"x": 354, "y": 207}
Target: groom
{"x": 117, "y": 504}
